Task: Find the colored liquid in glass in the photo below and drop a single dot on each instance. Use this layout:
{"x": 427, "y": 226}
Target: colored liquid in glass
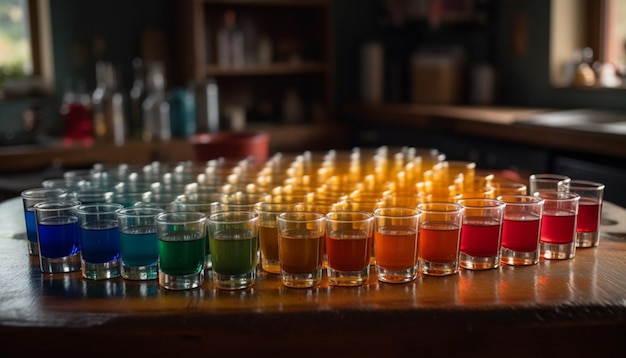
{"x": 348, "y": 250}
{"x": 58, "y": 236}
{"x": 234, "y": 252}
{"x": 557, "y": 227}
{"x": 395, "y": 247}
{"x": 439, "y": 241}
{"x": 31, "y": 225}
{"x": 139, "y": 246}
{"x": 521, "y": 233}
{"x": 181, "y": 252}
{"x": 300, "y": 251}
{"x": 100, "y": 242}
{"x": 588, "y": 216}
{"x": 480, "y": 236}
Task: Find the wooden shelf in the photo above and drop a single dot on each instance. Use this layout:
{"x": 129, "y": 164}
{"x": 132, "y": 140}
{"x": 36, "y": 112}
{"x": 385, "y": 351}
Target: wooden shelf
{"x": 281, "y": 3}
{"x": 267, "y": 70}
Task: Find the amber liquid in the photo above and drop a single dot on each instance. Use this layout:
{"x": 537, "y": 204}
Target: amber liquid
{"x": 439, "y": 242}
{"x": 396, "y": 248}
{"x": 268, "y": 239}
{"x": 300, "y": 251}
{"x": 348, "y": 250}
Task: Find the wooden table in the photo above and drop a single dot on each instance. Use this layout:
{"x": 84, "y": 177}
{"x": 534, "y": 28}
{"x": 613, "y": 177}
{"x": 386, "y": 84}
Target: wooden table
{"x": 557, "y": 308}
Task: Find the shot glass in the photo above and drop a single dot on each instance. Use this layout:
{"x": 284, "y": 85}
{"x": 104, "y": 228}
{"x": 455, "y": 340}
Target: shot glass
{"x": 233, "y": 238}
{"x": 348, "y": 247}
{"x": 520, "y": 229}
{"x": 481, "y": 233}
{"x": 558, "y": 225}
{"x": 548, "y": 182}
{"x": 99, "y": 240}
{"x": 268, "y": 233}
{"x": 30, "y": 197}
{"x": 395, "y": 244}
{"x": 181, "y": 240}
{"x": 300, "y": 240}
{"x": 439, "y": 236}
{"x": 58, "y": 236}
{"x": 139, "y": 249}
{"x": 589, "y": 211}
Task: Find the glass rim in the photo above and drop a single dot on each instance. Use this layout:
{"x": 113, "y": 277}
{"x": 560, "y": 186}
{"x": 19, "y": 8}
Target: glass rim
{"x": 549, "y": 176}
{"x": 404, "y": 212}
{"x": 489, "y": 203}
{"x": 239, "y": 216}
{"x": 142, "y": 212}
{"x": 300, "y": 216}
{"x": 109, "y": 208}
{"x": 580, "y": 184}
{"x": 554, "y": 195}
{"x": 42, "y": 191}
{"x": 532, "y": 199}
{"x": 348, "y": 215}
{"x": 54, "y": 205}
{"x": 180, "y": 217}
{"x": 450, "y": 207}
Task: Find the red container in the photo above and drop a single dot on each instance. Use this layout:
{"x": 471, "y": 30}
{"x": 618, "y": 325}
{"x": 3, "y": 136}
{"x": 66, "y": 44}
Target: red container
{"x": 231, "y": 145}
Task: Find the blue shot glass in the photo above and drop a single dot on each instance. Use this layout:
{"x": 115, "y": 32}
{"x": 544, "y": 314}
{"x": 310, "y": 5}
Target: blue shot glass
{"x": 99, "y": 240}
{"x": 58, "y": 236}
{"x": 139, "y": 248}
{"x": 30, "y": 197}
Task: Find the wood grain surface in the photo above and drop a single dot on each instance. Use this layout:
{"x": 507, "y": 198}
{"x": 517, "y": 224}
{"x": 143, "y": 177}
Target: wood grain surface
{"x": 567, "y": 308}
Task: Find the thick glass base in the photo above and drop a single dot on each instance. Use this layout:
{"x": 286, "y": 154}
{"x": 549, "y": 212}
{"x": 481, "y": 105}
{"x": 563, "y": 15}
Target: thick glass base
{"x": 100, "y": 271}
{"x": 234, "y": 282}
{"x": 301, "y": 280}
{"x": 557, "y": 251}
{"x": 149, "y": 272}
{"x": 587, "y": 239}
{"x": 271, "y": 266}
{"x": 478, "y": 262}
{"x": 432, "y": 268}
{"x": 33, "y": 248}
{"x": 181, "y": 282}
{"x": 518, "y": 258}
{"x": 347, "y": 278}
{"x": 60, "y": 264}
{"x": 396, "y": 276}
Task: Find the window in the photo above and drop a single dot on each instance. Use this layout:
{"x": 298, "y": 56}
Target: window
{"x": 588, "y": 43}
{"x": 25, "y": 47}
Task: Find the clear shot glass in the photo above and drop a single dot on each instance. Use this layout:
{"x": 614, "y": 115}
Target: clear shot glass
{"x": 558, "y": 225}
{"x": 520, "y": 230}
{"x": 99, "y": 240}
{"x": 589, "y": 211}
{"x": 300, "y": 248}
{"x": 139, "y": 249}
{"x": 268, "y": 233}
{"x": 548, "y": 182}
{"x": 348, "y": 247}
{"x": 58, "y": 236}
{"x": 181, "y": 239}
{"x": 439, "y": 237}
{"x": 395, "y": 244}
{"x": 30, "y": 197}
{"x": 481, "y": 233}
{"x": 233, "y": 238}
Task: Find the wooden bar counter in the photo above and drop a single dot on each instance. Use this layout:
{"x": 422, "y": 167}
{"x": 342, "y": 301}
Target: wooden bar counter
{"x": 567, "y": 308}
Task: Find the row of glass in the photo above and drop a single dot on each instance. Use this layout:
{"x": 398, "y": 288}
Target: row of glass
{"x": 451, "y": 214}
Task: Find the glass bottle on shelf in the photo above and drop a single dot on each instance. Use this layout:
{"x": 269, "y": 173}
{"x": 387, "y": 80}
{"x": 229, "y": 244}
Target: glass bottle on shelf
{"x": 137, "y": 96}
{"x": 230, "y": 42}
{"x": 76, "y": 113}
{"x": 156, "y": 109}
{"x": 108, "y": 107}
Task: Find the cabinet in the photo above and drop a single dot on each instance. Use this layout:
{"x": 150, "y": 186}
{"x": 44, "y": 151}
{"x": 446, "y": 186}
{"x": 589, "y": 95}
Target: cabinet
{"x": 291, "y": 88}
